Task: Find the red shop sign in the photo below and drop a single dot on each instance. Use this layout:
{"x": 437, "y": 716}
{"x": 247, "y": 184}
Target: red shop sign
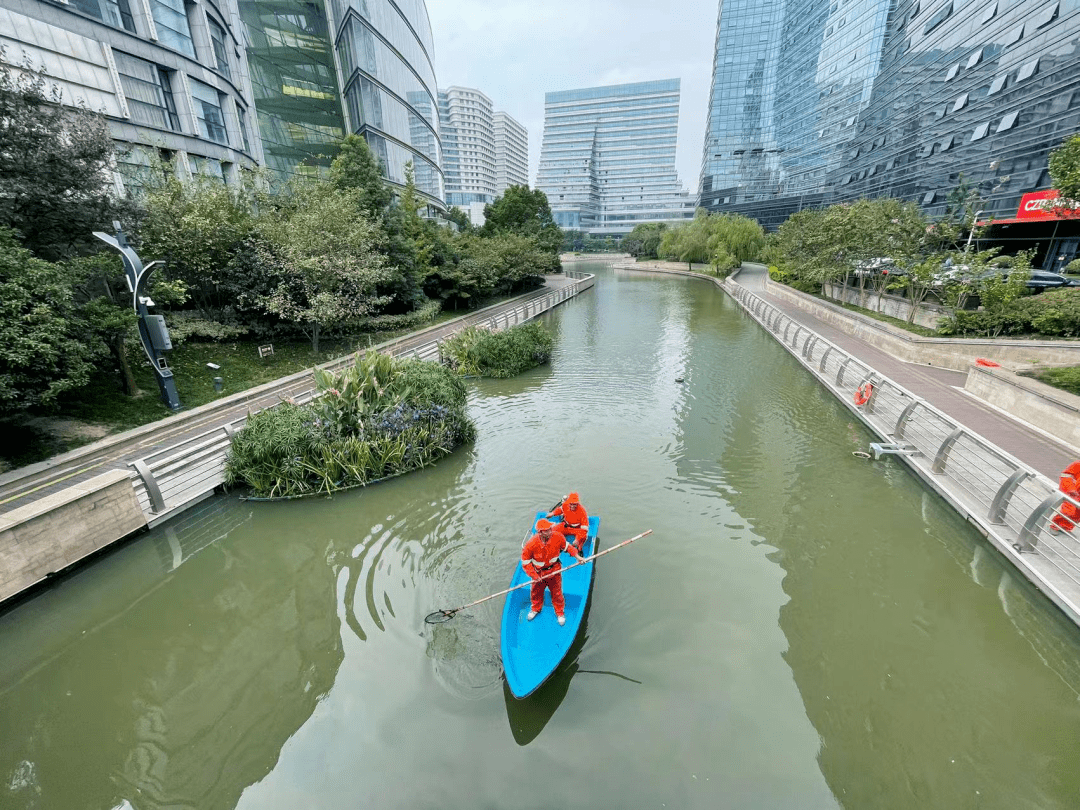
{"x": 1036, "y": 206}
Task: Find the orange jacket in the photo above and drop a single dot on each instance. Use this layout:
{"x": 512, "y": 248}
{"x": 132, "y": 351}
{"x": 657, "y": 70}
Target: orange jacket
{"x": 573, "y": 518}
{"x": 540, "y": 556}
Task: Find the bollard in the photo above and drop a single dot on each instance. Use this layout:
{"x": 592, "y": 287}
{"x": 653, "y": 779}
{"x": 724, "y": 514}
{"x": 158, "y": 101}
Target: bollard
{"x": 219, "y": 382}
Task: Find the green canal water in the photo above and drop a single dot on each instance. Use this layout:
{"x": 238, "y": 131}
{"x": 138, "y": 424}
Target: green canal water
{"x": 804, "y": 629}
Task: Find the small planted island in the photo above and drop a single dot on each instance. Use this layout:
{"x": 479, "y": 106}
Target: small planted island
{"x": 379, "y": 418}
{"x": 479, "y": 352}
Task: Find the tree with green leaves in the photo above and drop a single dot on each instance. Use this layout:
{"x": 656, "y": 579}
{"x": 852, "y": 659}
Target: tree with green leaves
{"x": 356, "y": 168}
{"x": 46, "y": 346}
{"x": 54, "y": 168}
{"x": 526, "y": 212}
{"x": 1064, "y": 168}
{"x": 644, "y": 240}
{"x": 200, "y": 228}
{"x": 324, "y": 260}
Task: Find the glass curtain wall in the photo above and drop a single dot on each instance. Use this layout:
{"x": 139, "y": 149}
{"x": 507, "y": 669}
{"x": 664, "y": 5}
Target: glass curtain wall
{"x": 985, "y": 90}
{"x": 297, "y": 98}
{"x": 607, "y": 159}
{"x": 385, "y": 51}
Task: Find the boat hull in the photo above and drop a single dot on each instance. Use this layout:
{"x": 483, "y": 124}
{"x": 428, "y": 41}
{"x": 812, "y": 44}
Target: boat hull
{"x": 532, "y": 651}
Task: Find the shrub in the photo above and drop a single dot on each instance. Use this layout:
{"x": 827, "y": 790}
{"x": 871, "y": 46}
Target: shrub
{"x": 478, "y": 352}
{"x": 378, "y": 418}
{"x": 186, "y": 325}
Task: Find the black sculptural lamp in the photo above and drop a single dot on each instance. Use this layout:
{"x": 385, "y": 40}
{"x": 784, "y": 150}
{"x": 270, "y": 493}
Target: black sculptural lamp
{"x": 152, "y": 331}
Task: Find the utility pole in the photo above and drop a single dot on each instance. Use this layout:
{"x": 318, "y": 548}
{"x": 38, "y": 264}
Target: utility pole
{"x": 152, "y": 331}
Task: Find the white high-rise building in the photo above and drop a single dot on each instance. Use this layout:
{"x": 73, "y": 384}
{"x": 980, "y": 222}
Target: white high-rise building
{"x": 607, "y": 162}
{"x": 511, "y": 153}
{"x": 484, "y": 151}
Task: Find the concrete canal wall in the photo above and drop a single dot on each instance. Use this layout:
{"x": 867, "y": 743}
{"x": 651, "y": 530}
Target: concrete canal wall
{"x": 50, "y": 534}
{"x": 954, "y": 353}
{"x": 57, "y": 530}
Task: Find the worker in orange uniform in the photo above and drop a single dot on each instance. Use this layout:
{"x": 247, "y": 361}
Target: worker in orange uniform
{"x": 575, "y": 520}
{"x": 540, "y": 559}
{"x": 1070, "y": 485}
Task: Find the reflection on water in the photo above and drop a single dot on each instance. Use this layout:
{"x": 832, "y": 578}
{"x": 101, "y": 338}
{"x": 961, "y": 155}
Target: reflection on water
{"x": 803, "y": 629}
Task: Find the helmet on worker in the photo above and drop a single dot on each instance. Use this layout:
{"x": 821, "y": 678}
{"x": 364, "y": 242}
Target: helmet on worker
{"x": 543, "y": 525}
{"x": 572, "y": 499}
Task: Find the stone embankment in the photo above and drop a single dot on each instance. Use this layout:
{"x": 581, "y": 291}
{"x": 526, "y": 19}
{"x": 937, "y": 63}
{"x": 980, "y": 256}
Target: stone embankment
{"x": 58, "y": 512}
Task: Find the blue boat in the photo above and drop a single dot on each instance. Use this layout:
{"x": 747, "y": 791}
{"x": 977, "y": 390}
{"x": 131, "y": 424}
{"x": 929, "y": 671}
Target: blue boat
{"x": 532, "y": 651}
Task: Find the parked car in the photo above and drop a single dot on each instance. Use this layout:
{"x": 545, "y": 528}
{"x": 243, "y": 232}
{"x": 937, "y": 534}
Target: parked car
{"x": 1038, "y": 279}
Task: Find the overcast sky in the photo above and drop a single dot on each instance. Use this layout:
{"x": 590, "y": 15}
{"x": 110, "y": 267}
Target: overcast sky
{"x": 517, "y": 50}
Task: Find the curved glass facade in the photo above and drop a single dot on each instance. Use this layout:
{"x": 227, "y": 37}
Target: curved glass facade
{"x": 982, "y": 89}
{"x": 384, "y": 49}
{"x": 831, "y": 101}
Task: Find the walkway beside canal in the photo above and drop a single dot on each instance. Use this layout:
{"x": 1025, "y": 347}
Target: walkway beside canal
{"x": 28, "y": 484}
{"x": 941, "y": 387}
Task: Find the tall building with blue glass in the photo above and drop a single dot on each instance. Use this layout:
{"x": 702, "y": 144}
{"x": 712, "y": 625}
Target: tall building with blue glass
{"x": 607, "y": 160}
{"x": 827, "y": 102}
{"x": 321, "y": 70}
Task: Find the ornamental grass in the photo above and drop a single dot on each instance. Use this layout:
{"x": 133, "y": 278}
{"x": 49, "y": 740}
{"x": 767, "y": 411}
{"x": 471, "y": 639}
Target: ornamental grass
{"x": 479, "y": 352}
{"x": 378, "y": 418}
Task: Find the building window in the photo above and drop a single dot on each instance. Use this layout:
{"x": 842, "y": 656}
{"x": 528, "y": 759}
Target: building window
{"x": 997, "y": 84}
{"x": 1008, "y": 121}
{"x": 960, "y": 103}
{"x": 989, "y": 14}
{"x": 241, "y": 115}
{"x": 148, "y": 91}
{"x": 116, "y": 13}
{"x": 1028, "y": 70}
{"x": 952, "y": 72}
{"x": 980, "y": 131}
{"x": 221, "y": 54}
{"x": 174, "y": 31}
{"x": 940, "y": 16}
{"x": 208, "y": 112}
{"x": 974, "y": 59}
{"x": 1013, "y": 36}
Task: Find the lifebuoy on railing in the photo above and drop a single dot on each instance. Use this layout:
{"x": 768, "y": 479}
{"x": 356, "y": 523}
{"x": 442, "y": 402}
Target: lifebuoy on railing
{"x": 862, "y": 396}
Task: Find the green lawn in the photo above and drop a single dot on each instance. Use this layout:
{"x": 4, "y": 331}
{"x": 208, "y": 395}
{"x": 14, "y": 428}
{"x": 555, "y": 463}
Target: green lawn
{"x": 101, "y": 408}
{"x": 1067, "y": 379}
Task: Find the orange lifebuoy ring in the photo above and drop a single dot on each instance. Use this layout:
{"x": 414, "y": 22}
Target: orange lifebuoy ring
{"x": 862, "y": 396}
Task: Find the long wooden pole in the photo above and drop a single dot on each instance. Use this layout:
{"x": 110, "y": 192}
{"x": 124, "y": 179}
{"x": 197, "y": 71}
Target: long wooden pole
{"x": 449, "y": 613}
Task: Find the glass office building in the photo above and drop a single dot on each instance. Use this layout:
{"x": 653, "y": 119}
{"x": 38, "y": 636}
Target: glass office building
{"x": 511, "y": 153}
{"x": 321, "y": 70}
{"x": 607, "y": 160}
{"x": 385, "y": 52}
{"x": 170, "y": 78}
{"x": 295, "y": 83}
{"x": 905, "y": 100}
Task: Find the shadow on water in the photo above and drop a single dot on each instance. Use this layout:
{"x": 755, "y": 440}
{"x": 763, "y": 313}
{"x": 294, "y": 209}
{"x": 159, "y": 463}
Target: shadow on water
{"x": 529, "y": 716}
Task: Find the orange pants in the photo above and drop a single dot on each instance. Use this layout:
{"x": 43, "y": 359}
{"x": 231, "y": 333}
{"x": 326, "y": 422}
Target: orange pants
{"x": 555, "y": 584}
{"x": 1067, "y": 511}
{"x": 578, "y": 535}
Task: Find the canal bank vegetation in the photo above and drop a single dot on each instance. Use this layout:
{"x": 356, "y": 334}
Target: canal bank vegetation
{"x": 884, "y": 246}
{"x": 248, "y": 263}
{"x": 378, "y": 418}
{"x": 723, "y": 240}
{"x": 479, "y": 352}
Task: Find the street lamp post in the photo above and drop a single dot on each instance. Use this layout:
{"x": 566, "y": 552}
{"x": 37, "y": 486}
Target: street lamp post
{"x": 971, "y": 233}
{"x": 152, "y": 331}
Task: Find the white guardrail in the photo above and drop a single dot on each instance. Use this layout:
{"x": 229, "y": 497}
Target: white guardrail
{"x": 1019, "y": 509}
{"x": 174, "y": 477}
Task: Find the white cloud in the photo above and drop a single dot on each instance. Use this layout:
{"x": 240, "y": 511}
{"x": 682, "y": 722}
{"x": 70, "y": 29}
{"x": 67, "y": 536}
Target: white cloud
{"x": 515, "y": 51}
